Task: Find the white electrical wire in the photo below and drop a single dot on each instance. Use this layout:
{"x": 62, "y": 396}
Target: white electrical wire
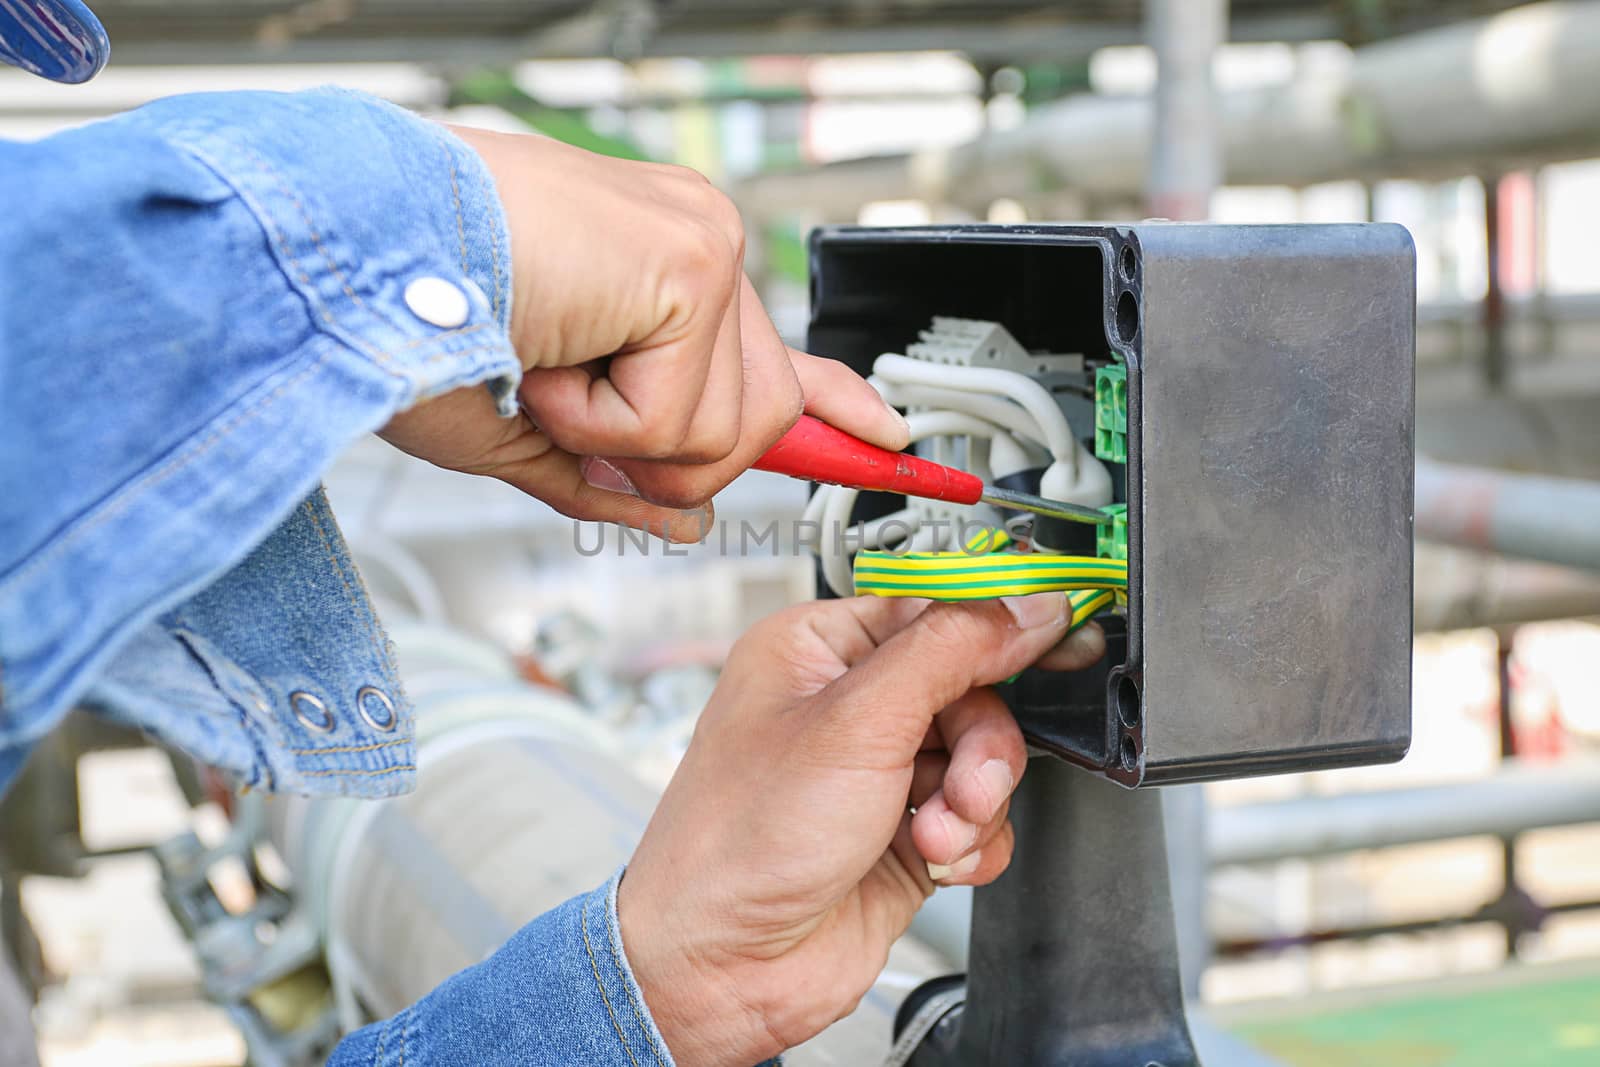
{"x": 998, "y": 410}
{"x": 979, "y": 404}
{"x": 1032, "y": 397}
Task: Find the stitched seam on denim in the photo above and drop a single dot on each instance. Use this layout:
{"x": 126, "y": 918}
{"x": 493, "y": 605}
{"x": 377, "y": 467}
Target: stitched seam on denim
{"x": 383, "y": 1039}
{"x": 323, "y": 311}
{"x": 348, "y": 748}
{"x": 461, "y": 232}
{"x": 494, "y": 243}
{"x": 405, "y": 1037}
{"x": 305, "y": 216}
{"x": 639, "y": 1015}
{"x": 244, "y": 715}
{"x": 133, "y": 490}
{"x": 455, "y": 194}
{"x": 308, "y": 292}
{"x": 333, "y": 266}
{"x": 361, "y": 606}
{"x": 380, "y": 643}
{"x": 594, "y": 966}
{"x": 459, "y": 331}
{"x": 380, "y": 639}
{"x": 359, "y": 774}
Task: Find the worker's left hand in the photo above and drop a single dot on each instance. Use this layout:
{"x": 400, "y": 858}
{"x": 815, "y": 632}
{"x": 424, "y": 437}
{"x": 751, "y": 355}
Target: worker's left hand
{"x": 784, "y": 858}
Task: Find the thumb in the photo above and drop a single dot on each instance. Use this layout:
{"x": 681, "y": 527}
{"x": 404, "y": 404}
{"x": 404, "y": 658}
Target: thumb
{"x": 950, "y": 648}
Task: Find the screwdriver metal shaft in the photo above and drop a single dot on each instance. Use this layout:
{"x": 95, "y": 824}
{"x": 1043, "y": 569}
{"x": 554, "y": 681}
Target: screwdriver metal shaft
{"x": 1055, "y": 509}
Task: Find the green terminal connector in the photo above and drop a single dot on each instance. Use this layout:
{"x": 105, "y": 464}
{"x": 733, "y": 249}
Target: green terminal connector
{"x": 1111, "y": 413}
{"x": 1111, "y": 538}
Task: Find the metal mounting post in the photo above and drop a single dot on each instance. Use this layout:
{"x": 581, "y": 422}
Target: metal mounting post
{"x": 1074, "y": 957}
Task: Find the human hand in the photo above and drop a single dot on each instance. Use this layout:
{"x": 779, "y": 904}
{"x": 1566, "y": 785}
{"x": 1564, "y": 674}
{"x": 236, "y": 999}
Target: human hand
{"x": 652, "y": 374}
{"x": 783, "y": 859}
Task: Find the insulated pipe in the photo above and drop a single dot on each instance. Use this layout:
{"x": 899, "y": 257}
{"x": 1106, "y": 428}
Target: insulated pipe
{"x": 1457, "y": 589}
{"x": 1186, "y": 152}
{"x": 1529, "y": 516}
{"x": 1521, "y": 797}
{"x": 1517, "y": 85}
{"x": 522, "y": 802}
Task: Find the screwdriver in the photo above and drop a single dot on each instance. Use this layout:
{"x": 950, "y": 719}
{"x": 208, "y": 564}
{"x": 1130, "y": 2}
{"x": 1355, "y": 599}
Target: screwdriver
{"x": 817, "y": 452}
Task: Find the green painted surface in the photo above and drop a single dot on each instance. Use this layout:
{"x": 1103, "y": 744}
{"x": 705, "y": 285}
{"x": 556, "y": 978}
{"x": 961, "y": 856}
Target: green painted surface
{"x": 496, "y": 88}
{"x": 787, "y": 253}
{"x": 1536, "y": 1024}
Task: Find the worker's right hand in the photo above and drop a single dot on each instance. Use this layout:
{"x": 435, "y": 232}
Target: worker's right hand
{"x": 784, "y": 858}
{"x": 652, "y": 374}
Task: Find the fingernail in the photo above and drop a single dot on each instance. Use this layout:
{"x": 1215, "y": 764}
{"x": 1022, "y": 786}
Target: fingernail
{"x": 1040, "y": 609}
{"x": 1088, "y": 640}
{"x": 899, "y": 418}
{"x": 960, "y": 832}
{"x": 995, "y": 781}
{"x": 959, "y": 869}
{"x": 603, "y": 475}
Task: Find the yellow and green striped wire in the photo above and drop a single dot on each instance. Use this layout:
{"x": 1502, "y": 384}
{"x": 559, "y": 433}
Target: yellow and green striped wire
{"x": 982, "y": 572}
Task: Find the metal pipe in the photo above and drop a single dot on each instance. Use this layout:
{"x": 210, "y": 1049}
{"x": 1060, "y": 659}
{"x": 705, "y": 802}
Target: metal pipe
{"x": 1184, "y": 172}
{"x": 1518, "y": 84}
{"x": 1186, "y": 151}
{"x": 1522, "y": 797}
{"x": 1528, "y": 516}
{"x": 1457, "y": 589}
{"x": 1494, "y": 302}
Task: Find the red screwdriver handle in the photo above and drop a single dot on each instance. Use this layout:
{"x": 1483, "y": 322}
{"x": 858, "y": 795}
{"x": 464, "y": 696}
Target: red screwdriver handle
{"x": 817, "y": 452}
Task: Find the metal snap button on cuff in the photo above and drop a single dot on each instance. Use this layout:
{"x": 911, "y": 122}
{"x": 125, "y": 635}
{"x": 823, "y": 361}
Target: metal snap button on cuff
{"x": 437, "y": 302}
{"x": 312, "y": 713}
{"x": 376, "y": 707}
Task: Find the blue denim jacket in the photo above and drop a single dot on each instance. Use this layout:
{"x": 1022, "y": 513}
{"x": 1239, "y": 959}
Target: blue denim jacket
{"x": 204, "y": 301}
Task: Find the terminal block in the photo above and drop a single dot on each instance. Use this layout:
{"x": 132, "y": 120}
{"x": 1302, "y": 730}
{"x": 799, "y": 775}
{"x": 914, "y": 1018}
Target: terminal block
{"x": 1251, "y": 390}
{"x": 1112, "y": 539}
{"x": 1111, "y": 413}
{"x": 981, "y": 343}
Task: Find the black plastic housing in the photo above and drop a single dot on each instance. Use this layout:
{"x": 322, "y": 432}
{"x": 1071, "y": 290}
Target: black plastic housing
{"x": 1268, "y": 482}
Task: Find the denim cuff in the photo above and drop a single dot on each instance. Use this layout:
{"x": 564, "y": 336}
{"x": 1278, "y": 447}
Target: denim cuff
{"x": 560, "y": 992}
{"x": 357, "y": 241}
{"x": 613, "y": 977}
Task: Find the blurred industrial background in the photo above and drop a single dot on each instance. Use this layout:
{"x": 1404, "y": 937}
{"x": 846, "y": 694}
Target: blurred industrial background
{"x": 1444, "y": 911}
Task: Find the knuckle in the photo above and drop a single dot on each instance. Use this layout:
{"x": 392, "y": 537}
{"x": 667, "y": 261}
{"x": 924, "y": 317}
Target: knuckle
{"x": 659, "y": 437}
{"x": 679, "y": 172}
{"x": 711, "y": 438}
{"x": 705, "y": 255}
{"x": 953, "y": 626}
{"x": 720, "y": 210}
{"x": 786, "y": 408}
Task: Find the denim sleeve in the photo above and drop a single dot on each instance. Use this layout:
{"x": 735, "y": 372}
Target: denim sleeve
{"x": 558, "y": 993}
{"x": 202, "y": 302}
